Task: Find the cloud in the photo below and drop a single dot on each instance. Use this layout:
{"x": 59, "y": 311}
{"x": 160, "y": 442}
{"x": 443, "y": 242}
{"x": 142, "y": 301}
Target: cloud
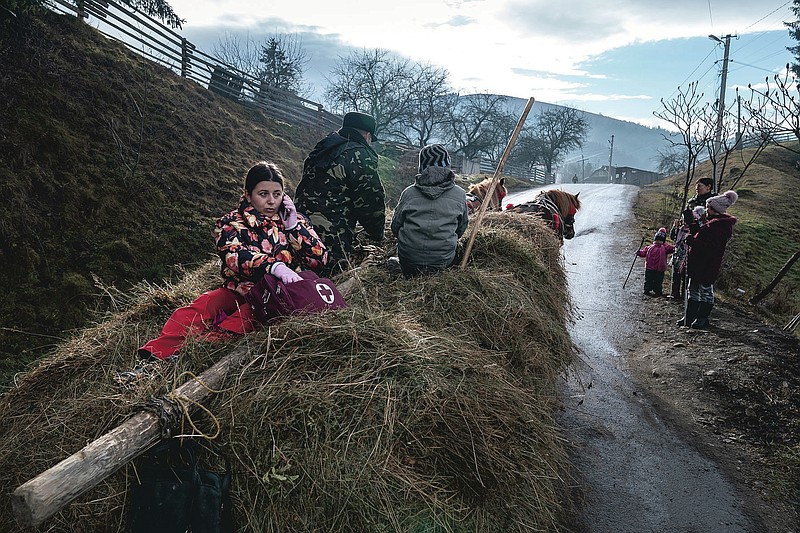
{"x": 560, "y": 21}
{"x": 455, "y": 22}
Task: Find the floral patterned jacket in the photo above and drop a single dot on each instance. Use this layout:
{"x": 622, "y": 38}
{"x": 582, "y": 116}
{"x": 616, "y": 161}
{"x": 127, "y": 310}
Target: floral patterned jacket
{"x": 248, "y": 243}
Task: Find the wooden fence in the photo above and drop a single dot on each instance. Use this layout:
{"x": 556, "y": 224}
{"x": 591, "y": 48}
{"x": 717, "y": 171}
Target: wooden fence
{"x": 536, "y": 175}
{"x": 160, "y": 44}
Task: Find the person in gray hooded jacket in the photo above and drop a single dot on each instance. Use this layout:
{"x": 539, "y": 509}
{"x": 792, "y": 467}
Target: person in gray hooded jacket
{"x": 430, "y": 216}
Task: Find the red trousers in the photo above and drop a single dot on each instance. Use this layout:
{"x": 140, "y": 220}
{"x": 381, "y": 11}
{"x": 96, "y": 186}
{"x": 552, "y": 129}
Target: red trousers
{"x": 212, "y": 311}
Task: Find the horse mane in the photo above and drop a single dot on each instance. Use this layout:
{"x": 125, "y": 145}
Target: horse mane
{"x": 564, "y": 200}
{"x": 481, "y": 188}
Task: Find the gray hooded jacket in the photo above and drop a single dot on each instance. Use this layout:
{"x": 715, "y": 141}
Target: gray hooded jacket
{"x": 430, "y": 217}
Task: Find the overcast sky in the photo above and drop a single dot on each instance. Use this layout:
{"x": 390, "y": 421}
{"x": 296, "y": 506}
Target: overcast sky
{"x": 617, "y": 61}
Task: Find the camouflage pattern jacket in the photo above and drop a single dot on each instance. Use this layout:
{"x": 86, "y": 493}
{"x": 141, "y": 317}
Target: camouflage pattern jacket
{"x": 340, "y": 187}
{"x": 248, "y": 243}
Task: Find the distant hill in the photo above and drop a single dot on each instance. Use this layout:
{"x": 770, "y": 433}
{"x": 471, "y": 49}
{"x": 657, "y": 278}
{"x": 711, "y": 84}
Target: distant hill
{"x": 635, "y": 145}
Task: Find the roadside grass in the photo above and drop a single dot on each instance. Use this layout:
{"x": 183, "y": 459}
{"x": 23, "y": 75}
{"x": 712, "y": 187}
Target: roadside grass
{"x": 764, "y": 238}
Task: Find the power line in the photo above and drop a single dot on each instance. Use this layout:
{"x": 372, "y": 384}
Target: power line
{"x": 710, "y": 18}
{"x": 749, "y": 65}
{"x": 750, "y": 55}
{"x": 768, "y": 14}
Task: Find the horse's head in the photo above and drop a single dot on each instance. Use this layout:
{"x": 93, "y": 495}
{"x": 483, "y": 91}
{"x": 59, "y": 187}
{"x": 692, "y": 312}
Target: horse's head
{"x": 480, "y": 190}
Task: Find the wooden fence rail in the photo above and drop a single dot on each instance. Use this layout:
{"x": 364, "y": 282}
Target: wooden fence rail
{"x": 161, "y": 44}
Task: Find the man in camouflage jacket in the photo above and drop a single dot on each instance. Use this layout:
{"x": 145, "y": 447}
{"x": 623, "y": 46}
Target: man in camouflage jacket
{"x": 340, "y": 187}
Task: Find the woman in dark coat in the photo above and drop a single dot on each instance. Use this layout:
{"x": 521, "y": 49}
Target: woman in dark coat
{"x": 706, "y": 248}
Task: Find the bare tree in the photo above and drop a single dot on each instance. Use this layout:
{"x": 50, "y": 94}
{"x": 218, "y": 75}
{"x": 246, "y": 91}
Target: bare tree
{"x": 375, "y": 82}
{"x": 473, "y": 123}
{"x": 670, "y": 160}
{"x": 735, "y": 135}
{"x": 555, "y": 132}
{"x": 429, "y": 106}
{"x": 687, "y": 114}
{"x": 528, "y": 151}
{"x": 242, "y": 53}
{"x": 774, "y": 111}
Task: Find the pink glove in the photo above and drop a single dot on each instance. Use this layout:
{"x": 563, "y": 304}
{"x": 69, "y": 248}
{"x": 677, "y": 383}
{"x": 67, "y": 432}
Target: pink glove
{"x": 284, "y": 273}
{"x": 288, "y": 213}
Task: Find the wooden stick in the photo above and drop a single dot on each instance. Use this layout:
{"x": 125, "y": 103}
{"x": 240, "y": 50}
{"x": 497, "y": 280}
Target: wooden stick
{"x": 495, "y": 179}
{"x": 40, "y": 498}
{"x": 760, "y": 296}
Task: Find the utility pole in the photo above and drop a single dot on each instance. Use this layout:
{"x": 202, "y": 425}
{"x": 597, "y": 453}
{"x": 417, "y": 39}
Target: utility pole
{"x": 610, "y": 157}
{"x": 583, "y": 168}
{"x": 720, "y": 102}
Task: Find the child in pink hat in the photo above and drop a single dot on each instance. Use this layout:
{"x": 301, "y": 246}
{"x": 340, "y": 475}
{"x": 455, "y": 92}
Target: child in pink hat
{"x": 655, "y": 262}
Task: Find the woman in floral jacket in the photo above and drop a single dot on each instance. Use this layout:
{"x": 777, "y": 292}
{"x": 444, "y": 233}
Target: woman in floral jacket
{"x": 264, "y": 236}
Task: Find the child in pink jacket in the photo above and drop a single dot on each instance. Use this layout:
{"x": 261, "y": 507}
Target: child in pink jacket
{"x": 655, "y": 262}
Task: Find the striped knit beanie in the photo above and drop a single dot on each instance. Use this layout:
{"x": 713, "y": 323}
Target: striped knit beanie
{"x": 433, "y": 155}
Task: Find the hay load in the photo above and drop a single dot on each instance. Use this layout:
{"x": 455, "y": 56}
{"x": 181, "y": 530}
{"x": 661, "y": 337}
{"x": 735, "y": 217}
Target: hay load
{"x": 426, "y": 405}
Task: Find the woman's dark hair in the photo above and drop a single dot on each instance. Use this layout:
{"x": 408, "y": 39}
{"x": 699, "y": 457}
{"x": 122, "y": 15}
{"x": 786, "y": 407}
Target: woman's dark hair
{"x": 262, "y": 171}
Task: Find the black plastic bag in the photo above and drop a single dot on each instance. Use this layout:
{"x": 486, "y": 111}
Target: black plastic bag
{"x": 174, "y": 495}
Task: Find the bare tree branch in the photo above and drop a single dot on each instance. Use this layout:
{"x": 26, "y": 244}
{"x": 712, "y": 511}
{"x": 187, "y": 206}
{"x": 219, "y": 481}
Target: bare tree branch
{"x": 686, "y": 113}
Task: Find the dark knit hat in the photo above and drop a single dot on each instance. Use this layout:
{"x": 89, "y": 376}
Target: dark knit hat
{"x": 433, "y": 155}
{"x": 722, "y": 202}
{"x": 360, "y": 121}
{"x": 661, "y": 235}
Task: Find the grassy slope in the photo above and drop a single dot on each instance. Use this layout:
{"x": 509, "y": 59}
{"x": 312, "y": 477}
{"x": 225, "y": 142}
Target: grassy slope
{"x": 765, "y": 236}
{"x": 96, "y": 147}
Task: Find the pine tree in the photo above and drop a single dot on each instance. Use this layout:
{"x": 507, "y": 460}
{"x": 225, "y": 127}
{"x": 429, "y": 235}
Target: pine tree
{"x": 283, "y": 63}
{"x": 794, "y": 32}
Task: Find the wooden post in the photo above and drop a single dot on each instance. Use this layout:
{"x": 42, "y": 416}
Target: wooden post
{"x": 495, "y": 178}
{"x": 186, "y": 55}
{"x": 40, "y": 498}
{"x": 760, "y": 296}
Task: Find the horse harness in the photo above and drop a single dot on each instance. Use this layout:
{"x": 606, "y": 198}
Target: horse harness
{"x": 474, "y": 201}
{"x": 542, "y": 205}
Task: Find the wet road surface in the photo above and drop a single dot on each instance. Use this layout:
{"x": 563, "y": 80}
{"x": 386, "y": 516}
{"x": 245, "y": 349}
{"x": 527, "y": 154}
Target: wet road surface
{"x": 638, "y": 474}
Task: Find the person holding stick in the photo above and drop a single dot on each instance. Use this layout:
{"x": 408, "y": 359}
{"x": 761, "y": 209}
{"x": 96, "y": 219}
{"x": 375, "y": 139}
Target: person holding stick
{"x": 704, "y": 260}
{"x": 635, "y": 256}
{"x": 655, "y": 262}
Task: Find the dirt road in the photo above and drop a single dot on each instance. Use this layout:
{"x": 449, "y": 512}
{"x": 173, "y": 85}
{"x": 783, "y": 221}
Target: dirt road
{"x": 639, "y": 474}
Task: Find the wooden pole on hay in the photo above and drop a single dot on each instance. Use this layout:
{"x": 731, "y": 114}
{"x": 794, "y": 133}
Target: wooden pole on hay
{"x": 43, "y": 496}
{"x": 495, "y": 179}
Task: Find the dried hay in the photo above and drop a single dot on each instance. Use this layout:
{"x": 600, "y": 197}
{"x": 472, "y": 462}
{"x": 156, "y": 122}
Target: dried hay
{"x": 426, "y": 405}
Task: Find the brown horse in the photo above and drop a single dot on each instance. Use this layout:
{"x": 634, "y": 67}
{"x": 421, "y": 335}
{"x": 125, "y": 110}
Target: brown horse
{"x": 476, "y": 195}
{"x": 555, "y": 207}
